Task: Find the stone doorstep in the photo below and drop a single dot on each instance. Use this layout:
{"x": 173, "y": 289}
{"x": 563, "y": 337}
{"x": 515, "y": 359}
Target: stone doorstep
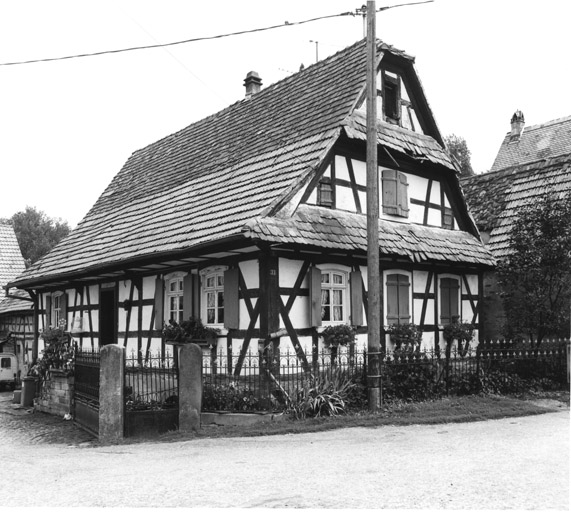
{"x": 237, "y": 419}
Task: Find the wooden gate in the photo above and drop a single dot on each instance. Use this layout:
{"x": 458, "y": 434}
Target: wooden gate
{"x": 86, "y": 391}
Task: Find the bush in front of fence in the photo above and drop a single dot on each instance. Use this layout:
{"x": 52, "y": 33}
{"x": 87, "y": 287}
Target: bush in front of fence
{"x": 327, "y": 393}
{"x": 231, "y": 397}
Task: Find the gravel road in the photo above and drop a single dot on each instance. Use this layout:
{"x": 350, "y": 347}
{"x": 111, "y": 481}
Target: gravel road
{"x": 516, "y": 463}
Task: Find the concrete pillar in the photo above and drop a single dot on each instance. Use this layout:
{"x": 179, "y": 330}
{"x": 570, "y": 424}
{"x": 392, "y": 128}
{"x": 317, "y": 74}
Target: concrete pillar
{"x": 189, "y": 387}
{"x": 111, "y": 390}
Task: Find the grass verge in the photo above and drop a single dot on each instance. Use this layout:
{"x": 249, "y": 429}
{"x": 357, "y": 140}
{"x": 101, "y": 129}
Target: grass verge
{"x": 446, "y": 410}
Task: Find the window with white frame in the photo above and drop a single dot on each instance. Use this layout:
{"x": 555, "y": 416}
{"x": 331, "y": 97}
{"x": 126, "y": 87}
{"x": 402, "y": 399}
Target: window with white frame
{"x": 213, "y": 297}
{"x": 333, "y": 296}
{"x": 174, "y": 292}
{"x": 57, "y": 310}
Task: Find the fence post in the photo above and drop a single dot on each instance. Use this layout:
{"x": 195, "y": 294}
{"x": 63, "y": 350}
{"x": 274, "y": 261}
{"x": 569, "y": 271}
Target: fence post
{"x": 190, "y": 387}
{"x": 111, "y": 391}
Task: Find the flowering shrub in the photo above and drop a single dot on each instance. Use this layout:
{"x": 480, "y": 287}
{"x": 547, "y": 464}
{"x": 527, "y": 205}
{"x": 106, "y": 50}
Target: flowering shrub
{"x": 462, "y": 332}
{"x": 58, "y": 353}
{"x": 189, "y": 330}
{"x": 230, "y": 397}
{"x": 340, "y": 334}
{"x": 404, "y": 336}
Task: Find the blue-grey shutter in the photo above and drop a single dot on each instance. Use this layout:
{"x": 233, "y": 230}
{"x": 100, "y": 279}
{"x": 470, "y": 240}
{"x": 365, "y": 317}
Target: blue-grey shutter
{"x": 314, "y": 276}
{"x": 356, "y": 283}
{"x": 231, "y": 299}
{"x": 159, "y": 302}
{"x": 187, "y": 295}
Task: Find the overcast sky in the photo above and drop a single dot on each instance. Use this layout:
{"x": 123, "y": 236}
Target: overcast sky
{"x": 67, "y": 127}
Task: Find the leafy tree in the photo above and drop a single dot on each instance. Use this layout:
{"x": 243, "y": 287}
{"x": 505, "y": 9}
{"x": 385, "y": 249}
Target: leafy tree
{"x": 458, "y": 149}
{"x": 37, "y": 233}
{"x": 536, "y": 276}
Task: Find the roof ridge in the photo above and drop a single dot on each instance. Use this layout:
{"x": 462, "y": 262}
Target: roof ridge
{"x": 533, "y": 127}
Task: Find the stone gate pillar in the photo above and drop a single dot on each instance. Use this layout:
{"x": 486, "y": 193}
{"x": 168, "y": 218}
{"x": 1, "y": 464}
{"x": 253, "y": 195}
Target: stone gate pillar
{"x": 189, "y": 387}
{"x": 111, "y": 393}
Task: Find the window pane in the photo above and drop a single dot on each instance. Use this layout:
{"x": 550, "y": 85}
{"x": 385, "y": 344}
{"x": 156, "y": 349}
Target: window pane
{"x": 221, "y": 280}
{"x": 325, "y": 297}
{"x": 220, "y": 315}
{"x": 172, "y": 286}
{"x": 211, "y": 300}
{"x": 180, "y": 285}
{"x": 337, "y": 279}
{"x": 337, "y": 313}
{"x": 338, "y": 297}
{"x": 210, "y": 316}
{"x": 325, "y": 278}
{"x": 210, "y": 282}
{"x": 220, "y": 299}
{"x": 325, "y": 313}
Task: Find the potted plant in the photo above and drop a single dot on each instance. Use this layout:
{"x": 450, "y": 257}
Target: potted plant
{"x": 189, "y": 331}
{"x": 463, "y": 332}
{"x": 338, "y": 335}
{"x": 406, "y": 337}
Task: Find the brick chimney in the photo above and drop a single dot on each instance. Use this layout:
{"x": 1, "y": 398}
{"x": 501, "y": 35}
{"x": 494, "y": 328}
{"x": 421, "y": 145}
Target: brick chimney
{"x": 518, "y": 122}
{"x": 252, "y": 83}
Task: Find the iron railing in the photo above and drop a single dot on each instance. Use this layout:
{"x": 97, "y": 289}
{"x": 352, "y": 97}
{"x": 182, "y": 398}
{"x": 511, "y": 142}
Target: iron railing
{"x": 151, "y": 382}
{"x": 269, "y": 380}
{"x": 86, "y": 372}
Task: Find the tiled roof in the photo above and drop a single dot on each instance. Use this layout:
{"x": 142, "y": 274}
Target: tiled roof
{"x": 536, "y": 143}
{"x": 11, "y": 260}
{"x": 13, "y": 304}
{"x": 495, "y": 198}
{"x": 417, "y": 145}
{"x": 322, "y": 227}
{"x": 205, "y": 182}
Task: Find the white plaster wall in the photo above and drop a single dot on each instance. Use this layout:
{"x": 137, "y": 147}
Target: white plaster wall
{"x": 341, "y": 170}
{"x": 360, "y": 171}
{"x": 288, "y": 272}
{"x": 344, "y": 199}
{"x": 251, "y": 272}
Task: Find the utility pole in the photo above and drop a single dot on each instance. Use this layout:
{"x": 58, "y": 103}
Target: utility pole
{"x": 373, "y": 271}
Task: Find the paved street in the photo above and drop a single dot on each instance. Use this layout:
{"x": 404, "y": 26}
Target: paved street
{"x": 516, "y": 463}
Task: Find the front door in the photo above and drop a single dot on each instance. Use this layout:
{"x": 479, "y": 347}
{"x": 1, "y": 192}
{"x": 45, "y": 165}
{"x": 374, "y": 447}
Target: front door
{"x": 108, "y": 316}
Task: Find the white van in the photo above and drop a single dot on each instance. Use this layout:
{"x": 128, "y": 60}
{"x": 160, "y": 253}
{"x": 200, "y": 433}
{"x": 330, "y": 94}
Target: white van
{"x": 9, "y": 370}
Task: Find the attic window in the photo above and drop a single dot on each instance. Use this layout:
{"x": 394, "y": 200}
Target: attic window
{"x": 325, "y": 193}
{"x": 391, "y": 97}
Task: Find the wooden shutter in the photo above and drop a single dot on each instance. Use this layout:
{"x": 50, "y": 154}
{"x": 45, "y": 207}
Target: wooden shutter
{"x": 356, "y": 283}
{"x": 447, "y": 218}
{"x": 187, "y": 296}
{"x": 63, "y": 308}
{"x": 159, "y": 303}
{"x": 231, "y": 298}
{"x": 402, "y": 192}
{"x": 314, "y": 275}
{"x": 449, "y": 290}
{"x": 398, "y": 295}
{"x": 390, "y": 186}
{"x": 48, "y": 311}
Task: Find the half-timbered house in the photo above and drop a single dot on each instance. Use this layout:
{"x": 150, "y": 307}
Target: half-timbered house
{"x": 532, "y": 162}
{"x": 254, "y": 220}
{"x": 16, "y": 307}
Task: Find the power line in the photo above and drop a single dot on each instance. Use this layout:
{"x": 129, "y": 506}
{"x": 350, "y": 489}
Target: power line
{"x": 163, "y": 45}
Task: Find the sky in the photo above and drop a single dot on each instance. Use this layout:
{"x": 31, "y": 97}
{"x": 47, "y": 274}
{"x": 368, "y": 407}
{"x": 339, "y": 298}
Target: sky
{"x": 68, "y": 126}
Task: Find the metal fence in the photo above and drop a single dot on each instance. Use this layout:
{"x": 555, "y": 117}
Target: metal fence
{"x": 151, "y": 382}
{"x": 269, "y": 381}
{"x": 86, "y": 372}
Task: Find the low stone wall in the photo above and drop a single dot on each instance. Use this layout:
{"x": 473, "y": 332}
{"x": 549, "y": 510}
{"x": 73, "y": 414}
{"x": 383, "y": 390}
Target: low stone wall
{"x": 56, "y": 394}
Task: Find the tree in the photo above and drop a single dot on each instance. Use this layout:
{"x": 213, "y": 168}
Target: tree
{"x": 535, "y": 278}
{"x": 37, "y": 233}
{"x": 458, "y": 149}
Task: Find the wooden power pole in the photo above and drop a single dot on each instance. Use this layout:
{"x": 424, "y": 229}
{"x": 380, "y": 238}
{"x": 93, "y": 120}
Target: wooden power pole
{"x": 373, "y": 271}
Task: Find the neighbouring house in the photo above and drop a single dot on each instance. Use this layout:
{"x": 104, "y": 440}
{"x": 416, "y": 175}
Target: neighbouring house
{"x": 16, "y": 307}
{"x": 254, "y": 220}
{"x": 532, "y": 162}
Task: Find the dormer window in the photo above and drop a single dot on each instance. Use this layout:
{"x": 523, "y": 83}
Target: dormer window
{"x": 391, "y": 97}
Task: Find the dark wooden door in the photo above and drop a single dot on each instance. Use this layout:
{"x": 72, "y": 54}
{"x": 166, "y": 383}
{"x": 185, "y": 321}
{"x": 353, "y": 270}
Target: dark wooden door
{"x": 108, "y": 316}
